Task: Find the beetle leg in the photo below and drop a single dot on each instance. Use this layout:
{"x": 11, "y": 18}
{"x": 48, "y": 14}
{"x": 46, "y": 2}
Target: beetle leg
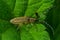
{"x": 19, "y": 25}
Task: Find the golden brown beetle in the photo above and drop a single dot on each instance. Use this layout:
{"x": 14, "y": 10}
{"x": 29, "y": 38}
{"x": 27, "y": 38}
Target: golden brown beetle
{"x": 26, "y": 20}
{"x": 22, "y": 20}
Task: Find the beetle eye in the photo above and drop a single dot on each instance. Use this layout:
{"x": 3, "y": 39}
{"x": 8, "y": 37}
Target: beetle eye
{"x": 28, "y": 19}
{"x": 37, "y": 15}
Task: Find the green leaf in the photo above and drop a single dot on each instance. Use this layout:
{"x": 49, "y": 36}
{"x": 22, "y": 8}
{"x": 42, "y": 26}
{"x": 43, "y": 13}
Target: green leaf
{"x": 20, "y": 7}
{"x": 4, "y": 25}
{"x": 36, "y": 32}
{"x": 39, "y": 6}
{"x": 5, "y": 11}
{"x": 16, "y": 8}
{"x": 10, "y": 34}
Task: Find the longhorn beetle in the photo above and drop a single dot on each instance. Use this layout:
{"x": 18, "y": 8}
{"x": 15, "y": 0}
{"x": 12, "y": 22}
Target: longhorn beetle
{"x": 26, "y": 20}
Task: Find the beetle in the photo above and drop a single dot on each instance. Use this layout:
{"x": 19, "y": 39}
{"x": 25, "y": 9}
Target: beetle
{"x": 27, "y": 20}
{"x": 23, "y": 20}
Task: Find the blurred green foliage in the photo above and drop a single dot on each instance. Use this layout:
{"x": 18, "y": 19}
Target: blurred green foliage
{"x": 16, "y": 8}
{"x": 54, "y": 19}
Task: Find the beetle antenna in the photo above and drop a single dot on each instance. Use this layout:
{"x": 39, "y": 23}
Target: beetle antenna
{"x": 43, "y": 22}
{"x": 48, "y": 26}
